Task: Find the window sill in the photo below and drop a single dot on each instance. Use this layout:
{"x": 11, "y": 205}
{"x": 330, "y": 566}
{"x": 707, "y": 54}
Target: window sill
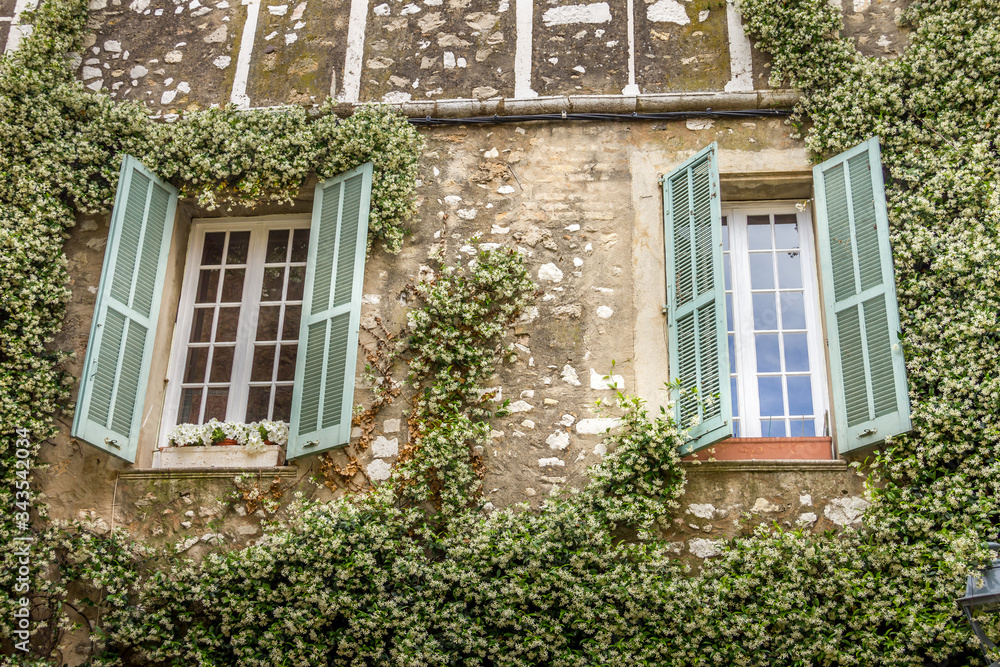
{"x": 206, "y": 473}
{"x": 218, "y": 457}
{"x": 767, "y": 449}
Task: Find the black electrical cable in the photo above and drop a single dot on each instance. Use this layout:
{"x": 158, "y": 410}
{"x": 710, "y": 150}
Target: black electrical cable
{"x": 661, "y": 115}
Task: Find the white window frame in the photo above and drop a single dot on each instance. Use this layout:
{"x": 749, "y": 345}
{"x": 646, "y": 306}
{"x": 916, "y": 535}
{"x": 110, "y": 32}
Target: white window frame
{"x": 259, "y": 226}
{"x": 745, "y": 351}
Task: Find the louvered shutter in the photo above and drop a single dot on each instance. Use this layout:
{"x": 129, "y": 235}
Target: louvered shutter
{"x": 859, "y": 293}
{"x": 698, "y": 351}
{"x": 331, "y": 314}
{"x": 120, "y": 348}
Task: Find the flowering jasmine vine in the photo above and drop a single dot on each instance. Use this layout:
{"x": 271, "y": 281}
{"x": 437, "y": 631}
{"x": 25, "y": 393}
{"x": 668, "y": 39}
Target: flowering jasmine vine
{"x": 413, "y": 573}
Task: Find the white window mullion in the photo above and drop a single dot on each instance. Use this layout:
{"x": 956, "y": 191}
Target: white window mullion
{"x": 746, "y": 353}
{"x": 247, "y": 331}
{"x": 817, "y": 360}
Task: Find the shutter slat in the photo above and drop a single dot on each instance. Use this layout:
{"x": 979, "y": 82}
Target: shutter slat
{"x": 840, "y": 235}
{"x": 323, "y": 394}
{"x": 116, "y": 368}
{"x": 145, "y": 280}
{"x": 701, "y": 185}
{"x": 856, "y": 392}
{"x": 347, "y": 249}
{"x": 107, "y": 366}
{"x": 326, "y": 237}
{"x": 312, "y": 378}
{"x": 708, "y": 355}
{"x": 863, "y": 205}
{"x": 130, "y": 234}
{"x": 333, "y": 398}
{"x": 866, "y": 361}
{"x": 877, "y": 341}
{"x": 680, "y": 205}
{"x": 697, "y": 337}
{"x": 128, "y": 378}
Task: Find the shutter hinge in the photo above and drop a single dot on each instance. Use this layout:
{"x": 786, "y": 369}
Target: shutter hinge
{"x": 661, "y": 179}
{"x": 112, "y": 443}
{"x": 664, "y": 309}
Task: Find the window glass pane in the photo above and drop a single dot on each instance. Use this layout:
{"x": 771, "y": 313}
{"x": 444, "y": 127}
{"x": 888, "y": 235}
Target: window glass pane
{"x": 211, "y": 252}
{"x": 222, "y": 364}
{"x": 286, "y": 362}
{"x": 803, "y": 428}
{"x": 727, "y": 272}
{"x": 772, "y": 400}
{"x": 201, "y": 325}
{"x": 796, "y": 352}
{"x": 759, "y": 232}
{"x": 768, "y": 355}
{"x": 786, "y": 231}
{"x": 277, "y": 245}
{"x": 239, "y": 244}
{"x": 735, "y": 396}
{"x": 725, "y": 234}
{"x": 765, "y": 314}
{"x": 800, "y": 400}
{"x": 732, "y": 353}
{"x": 267, "y": 323}
{"x": 194, "y": 367}
{"x": 793, "y": 310}
{"x": 229, "y": 319}
{"x": 282, "y": 403}
{"x": 789, "y": 270}
{"x": 274, "y": 281}
{"x": 258, "y": 401}
{"x": 290, "y": 327}
{"x": 215, "y": 403}
{"x": 761, "y": 271}
{"x": 300, "y": 245}
{"x": 232, "y": 285}
{"x": 263, "y": 363}
{"x": 772, "y": 428}
{"x": 296, "y": 282}
{"x": 190, "y": 406}
{"x": 208, "y": 286}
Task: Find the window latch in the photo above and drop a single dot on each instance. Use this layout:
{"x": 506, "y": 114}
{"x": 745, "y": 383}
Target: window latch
{"x": 867, "y": 431}
{"x": 112, "y": 443}
{"x": 311, "y": 443}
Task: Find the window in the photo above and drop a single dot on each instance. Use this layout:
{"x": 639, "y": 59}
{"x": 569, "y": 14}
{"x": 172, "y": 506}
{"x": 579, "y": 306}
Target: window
{"x": 743, "y": 323}
{"x": 255, "y": 292}
{"x": 776, "y": 366}
{"x": 237, "y": 328}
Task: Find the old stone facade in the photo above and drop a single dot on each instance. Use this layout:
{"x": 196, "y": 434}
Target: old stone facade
{"x": 580, "y": 198}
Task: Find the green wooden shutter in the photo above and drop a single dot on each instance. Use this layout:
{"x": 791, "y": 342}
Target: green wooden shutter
{"x": 331, "y": 314}
{"x": 698, "y": 350}
{"x": 120, "y": 348}
{"x": 859, "y": 294}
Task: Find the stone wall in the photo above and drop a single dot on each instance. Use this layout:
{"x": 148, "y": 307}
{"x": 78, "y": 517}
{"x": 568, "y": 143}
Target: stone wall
{"x": 582, "y": 202}
{"x": 179, "y": 55}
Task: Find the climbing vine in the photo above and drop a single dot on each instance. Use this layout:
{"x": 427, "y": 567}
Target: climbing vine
{"x": 387, "y": 578}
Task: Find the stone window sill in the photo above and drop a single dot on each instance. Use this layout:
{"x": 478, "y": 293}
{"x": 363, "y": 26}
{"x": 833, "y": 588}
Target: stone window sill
{"x": 234, "y": 457}
{"x": 767, "y": 449}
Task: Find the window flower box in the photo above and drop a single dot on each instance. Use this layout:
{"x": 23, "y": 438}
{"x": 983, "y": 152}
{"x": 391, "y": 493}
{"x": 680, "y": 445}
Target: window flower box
{"x": 225, "y": 445}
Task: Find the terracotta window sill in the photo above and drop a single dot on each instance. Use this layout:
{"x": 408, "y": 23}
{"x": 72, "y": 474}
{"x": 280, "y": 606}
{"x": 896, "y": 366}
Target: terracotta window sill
{"x": 767, "y": 449}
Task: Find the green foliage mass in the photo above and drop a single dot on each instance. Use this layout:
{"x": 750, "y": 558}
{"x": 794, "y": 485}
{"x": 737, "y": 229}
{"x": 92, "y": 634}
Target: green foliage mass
{"x": 380, "y": 579}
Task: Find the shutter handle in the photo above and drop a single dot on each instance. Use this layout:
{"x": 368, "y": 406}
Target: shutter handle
{"x": 112, "y": 443}
{"x": 867, "y": 431}
{"x": 311, "y": 443}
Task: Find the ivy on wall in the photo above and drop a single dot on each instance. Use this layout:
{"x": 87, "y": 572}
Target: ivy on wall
{"x": 382, "y": 579}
